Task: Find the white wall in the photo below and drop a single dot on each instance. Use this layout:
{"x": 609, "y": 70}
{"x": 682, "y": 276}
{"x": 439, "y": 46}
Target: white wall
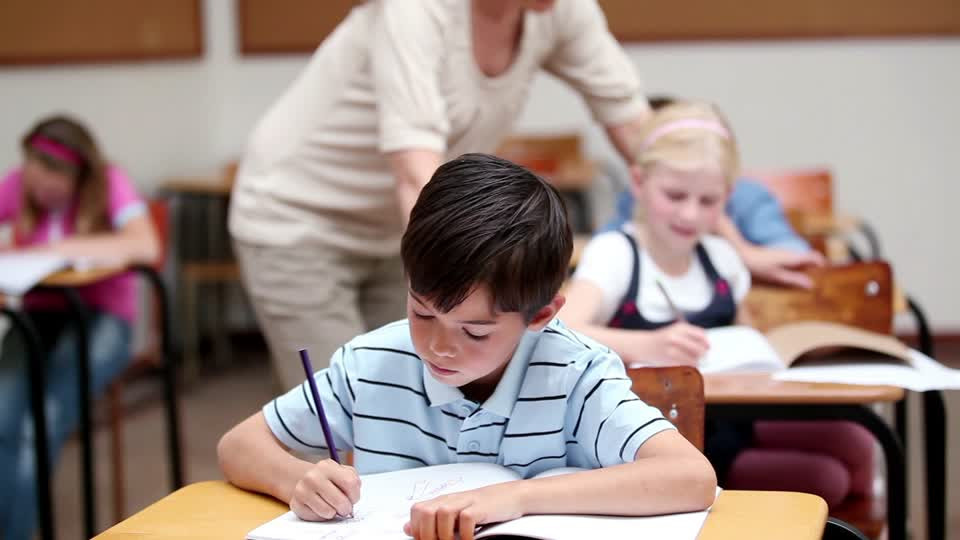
{"x": 884, "y": 114}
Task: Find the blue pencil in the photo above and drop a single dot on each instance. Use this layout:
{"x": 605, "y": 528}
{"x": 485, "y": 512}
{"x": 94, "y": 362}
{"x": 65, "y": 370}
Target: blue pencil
{"x": 327, "y": 435}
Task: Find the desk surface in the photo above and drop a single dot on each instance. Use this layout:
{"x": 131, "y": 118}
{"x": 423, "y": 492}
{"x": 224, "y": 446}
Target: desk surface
{"x": 217, "y": 510}
{"x": 760, "y": 388}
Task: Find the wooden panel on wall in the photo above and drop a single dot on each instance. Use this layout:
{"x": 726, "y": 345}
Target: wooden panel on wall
{"x": 270, "y": 26}
{"x": 631, "y": 20}
{"x": 279, "y": 26}
{"x": 57, "y": 31}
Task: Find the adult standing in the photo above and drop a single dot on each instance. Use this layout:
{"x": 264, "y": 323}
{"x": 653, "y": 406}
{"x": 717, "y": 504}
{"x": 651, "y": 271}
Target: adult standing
{"x": 334, "y": 167}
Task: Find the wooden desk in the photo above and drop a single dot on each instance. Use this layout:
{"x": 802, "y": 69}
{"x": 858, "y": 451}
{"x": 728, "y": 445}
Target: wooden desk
{"x": 755, "y": 396}
{"x": 217, "y": 510}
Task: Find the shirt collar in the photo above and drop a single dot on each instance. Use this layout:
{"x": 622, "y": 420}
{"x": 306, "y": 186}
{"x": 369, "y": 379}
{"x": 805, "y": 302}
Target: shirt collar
{"x": 504, "y": 396}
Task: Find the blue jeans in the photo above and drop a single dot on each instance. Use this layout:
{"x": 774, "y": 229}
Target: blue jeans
{"x": 109, "y": 342}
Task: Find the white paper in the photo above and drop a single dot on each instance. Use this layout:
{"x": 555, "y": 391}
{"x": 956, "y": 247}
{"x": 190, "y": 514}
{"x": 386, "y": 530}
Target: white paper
{"x": 927, "y": 374}
{"x": 562, "y": 527}
{"x": 385, "y": 501}
{"x": 20, "y": 272}
{"x": 738, "y": 348}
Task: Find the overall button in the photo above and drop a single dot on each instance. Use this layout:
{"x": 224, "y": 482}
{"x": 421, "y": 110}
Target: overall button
{"x": 473, "y": 446}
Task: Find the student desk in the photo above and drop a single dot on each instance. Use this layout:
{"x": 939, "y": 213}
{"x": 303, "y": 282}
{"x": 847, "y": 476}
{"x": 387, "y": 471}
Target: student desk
{"x": 217, "y": 510}
{"x": 756, "y": 396}
{"x": 67, "y": 282}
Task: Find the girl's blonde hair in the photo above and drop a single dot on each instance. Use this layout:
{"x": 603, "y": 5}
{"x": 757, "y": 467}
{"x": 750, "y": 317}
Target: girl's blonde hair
{"x": 689, "y": 136}
{"x": 89, "y": 171}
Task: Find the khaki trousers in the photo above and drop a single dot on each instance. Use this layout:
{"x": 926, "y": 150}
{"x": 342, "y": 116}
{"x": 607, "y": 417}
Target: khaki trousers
{"x": 317, "y": 298}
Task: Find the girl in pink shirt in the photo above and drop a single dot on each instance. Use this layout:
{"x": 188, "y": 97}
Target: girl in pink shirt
{"x": 65, "y": 198}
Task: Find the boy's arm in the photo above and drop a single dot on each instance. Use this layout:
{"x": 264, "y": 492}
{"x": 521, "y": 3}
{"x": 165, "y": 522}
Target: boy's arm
{"x": 668, "y": 475}
{"x": 252, "y": 458}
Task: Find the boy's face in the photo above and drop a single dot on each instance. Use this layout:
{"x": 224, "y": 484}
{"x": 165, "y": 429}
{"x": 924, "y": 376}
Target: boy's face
{"x": 472, "y": 343}
{"x": 680, "y": 206}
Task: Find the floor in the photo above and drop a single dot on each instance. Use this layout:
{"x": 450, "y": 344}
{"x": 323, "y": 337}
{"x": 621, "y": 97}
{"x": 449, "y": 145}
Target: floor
{"x": 223, "y": 396}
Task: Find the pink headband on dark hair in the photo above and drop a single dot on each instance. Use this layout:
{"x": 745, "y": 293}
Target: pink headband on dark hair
{"x": 684, "y": 123}
{"x": 58, "y": 150}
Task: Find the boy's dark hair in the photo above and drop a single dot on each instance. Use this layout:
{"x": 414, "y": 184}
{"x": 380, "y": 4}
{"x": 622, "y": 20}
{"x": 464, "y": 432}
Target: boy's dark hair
{"x": 482, "y": 220}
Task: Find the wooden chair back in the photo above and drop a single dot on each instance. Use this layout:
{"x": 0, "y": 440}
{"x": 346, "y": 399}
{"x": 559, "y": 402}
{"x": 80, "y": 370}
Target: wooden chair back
{"x": 678, "y": 392}
{"x": 858, "y": 294}
{"x": 807, "y": 199}
{"x": 801, "y": 190}
{"x": 541, "y": 153}
{"x": 558, "y": 158}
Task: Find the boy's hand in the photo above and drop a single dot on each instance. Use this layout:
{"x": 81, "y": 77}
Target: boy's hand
{"x": 327, "y": 490}
{"x": 681, "y": 343}
{"x": 442, "y": 518}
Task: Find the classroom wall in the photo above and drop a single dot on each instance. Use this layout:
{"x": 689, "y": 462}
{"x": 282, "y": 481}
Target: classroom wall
{"x": 882, "y": 113}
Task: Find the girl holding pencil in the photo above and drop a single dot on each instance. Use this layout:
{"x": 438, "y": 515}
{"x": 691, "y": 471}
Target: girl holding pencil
{"x": 649, "y": 289}
{"x": 65, "y": 198}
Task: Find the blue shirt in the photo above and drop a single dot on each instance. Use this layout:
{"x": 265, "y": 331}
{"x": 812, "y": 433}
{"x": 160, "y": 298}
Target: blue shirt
{"x": 753, "y": 209}
{"x": 563, "y": 401}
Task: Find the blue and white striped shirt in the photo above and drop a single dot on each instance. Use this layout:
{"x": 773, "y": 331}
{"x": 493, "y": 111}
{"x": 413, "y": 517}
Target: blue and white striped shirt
{"x": 563, "y": 401}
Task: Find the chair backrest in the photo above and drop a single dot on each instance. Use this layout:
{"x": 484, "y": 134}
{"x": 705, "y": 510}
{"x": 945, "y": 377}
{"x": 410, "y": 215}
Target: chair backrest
{"x": 541, "y": 153}
{"x": 678, "y": 392}
{"x": 859, "y": 294}
{"x": 159, "y": 210}
{"x": 800, "y": 190}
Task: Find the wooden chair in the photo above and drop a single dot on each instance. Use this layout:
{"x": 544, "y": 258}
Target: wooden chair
{"x": 859, "y": 294}
{"x": 147, "y": 359}
{"x": 807, "y": 199}
{"x": 212, "y": 267}
{"x": 560, "y": 160}
{"x": 678, "y": 392}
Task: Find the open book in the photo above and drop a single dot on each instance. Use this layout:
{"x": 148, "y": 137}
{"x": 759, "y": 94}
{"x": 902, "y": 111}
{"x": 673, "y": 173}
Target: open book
{"x": 20, "y": 272}
{"x": 386, "y": 498}
{"x": 825, "y": 352}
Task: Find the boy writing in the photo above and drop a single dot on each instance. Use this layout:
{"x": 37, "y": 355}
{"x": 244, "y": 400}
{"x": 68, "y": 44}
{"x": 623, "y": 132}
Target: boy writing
{"x": 479, "y": 371}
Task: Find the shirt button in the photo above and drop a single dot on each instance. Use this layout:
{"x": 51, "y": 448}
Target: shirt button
{"x": 466, "y": 410}
{"x": 474, "y": 446}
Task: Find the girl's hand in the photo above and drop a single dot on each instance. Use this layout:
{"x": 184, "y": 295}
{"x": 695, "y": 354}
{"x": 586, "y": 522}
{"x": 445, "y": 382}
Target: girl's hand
{"x": 442, "y": 518}
{"x": 681, "y": 343}
{"x": 327, "y": 490}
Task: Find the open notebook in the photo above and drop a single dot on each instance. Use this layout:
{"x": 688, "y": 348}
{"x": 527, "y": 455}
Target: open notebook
{"x": 825, "y": 352}
{"x": 19, "y": 272}
{"x": 386, "y": 499}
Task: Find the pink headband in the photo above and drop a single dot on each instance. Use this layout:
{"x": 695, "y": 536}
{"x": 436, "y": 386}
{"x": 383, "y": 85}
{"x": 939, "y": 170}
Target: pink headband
{"x": 684, "y": 123}
{"x": 58, "y": 150}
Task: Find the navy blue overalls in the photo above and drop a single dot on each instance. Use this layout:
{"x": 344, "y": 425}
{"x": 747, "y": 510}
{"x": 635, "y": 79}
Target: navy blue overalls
{"x": 722, "y": 440}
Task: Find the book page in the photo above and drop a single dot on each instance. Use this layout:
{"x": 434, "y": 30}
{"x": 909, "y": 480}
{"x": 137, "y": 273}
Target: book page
{"x": 924, "y": 374}
{"x": 385, "y": 501}
{"x": 19, "y": 272}
{"x": 793, "y": 340}
{"x": 563, "y": 527}
{"x": 738, "y": 348}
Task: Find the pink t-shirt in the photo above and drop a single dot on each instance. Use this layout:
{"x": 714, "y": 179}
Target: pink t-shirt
{"x": 117, "y": 295}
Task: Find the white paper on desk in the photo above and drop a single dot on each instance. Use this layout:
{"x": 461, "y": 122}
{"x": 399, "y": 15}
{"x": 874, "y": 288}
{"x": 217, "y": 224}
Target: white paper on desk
{"x": 925, "y": 374}
{"x": 20, "y": 272}
{"x": 385, "y": 502}
{"x": 564, "y": 527}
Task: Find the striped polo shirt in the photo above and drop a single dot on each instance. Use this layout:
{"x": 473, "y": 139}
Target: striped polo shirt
{"x": 563, "y": 401}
